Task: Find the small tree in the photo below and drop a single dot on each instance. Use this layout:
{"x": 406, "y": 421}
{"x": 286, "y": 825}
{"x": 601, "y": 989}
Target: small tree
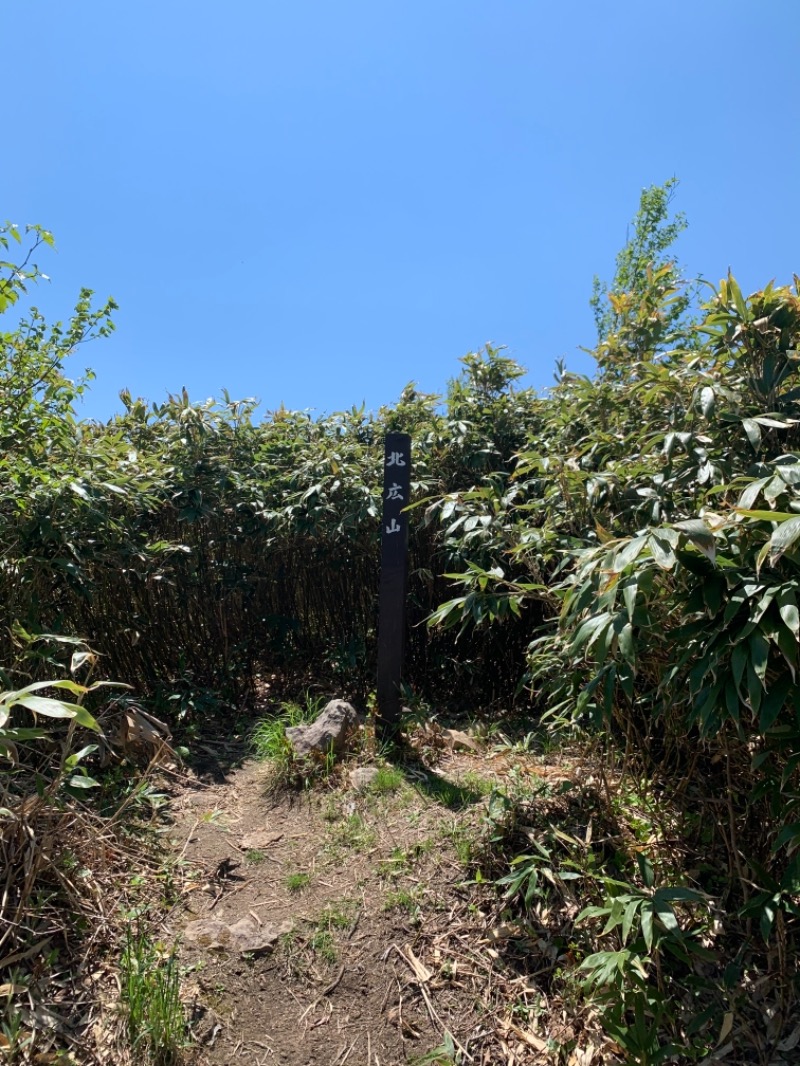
{"x": 649, "y": 301}
{"x": 36, "y": 396}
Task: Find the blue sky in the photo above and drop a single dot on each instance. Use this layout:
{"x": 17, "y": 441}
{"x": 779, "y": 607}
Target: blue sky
{"x": 315, "y": 203}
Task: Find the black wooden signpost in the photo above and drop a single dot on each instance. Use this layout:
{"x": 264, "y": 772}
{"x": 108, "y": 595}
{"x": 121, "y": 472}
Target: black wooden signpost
{"x": 394, "y": 569}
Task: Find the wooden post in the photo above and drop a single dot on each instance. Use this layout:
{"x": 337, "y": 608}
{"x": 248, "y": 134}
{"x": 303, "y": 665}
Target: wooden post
{"x": 394, "y": 570}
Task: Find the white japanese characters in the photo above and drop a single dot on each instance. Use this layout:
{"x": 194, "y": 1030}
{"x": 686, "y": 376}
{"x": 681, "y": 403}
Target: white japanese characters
{"x": 395, "y": 488}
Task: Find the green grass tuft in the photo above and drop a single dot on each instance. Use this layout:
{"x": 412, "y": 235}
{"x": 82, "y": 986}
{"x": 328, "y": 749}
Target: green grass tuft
{"x": 388, "y": 779}
{"x": 269, "y": 736}
{"x": 298, "y": 881}
{"x": 150, "y": 994}
{"x": 270, "y": 744}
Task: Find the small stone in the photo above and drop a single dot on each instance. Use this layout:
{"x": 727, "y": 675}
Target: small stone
{"x": 329, "y": 733}
{"x": 259, "y": 840}
{"x": 362, "y": 777}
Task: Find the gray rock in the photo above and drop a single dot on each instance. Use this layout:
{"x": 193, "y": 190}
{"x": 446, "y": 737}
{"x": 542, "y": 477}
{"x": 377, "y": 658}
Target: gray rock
{"x": 331, "y": 731}
{"x": 209, "y": 933}
{"x": 259, "y": 840}
{"x": 245, "y": 936}
{"x": 362, "y": 777}
{"x": 254, "y": 939}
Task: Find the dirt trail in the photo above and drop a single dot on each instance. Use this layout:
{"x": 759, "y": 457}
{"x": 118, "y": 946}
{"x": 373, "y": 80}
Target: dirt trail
{"x": 364, "y": 889}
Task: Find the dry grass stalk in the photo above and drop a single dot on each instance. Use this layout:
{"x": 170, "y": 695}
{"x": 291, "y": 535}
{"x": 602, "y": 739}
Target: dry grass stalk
{"x": 66, "y": 886}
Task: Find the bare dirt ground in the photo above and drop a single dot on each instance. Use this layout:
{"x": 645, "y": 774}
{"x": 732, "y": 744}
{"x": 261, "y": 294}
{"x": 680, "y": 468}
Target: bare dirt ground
{"x": 380, "y": 950}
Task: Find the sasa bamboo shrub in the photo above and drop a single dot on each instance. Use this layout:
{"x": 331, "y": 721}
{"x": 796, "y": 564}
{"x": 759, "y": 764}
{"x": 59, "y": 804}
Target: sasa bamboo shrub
{"x": 656, "y": 523}
{"x": 196, "y": 546}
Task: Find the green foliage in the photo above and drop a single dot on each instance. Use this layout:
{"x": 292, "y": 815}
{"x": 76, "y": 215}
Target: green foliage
{"x": 620, "y": 555}
{"x": 269, "y": 735}
{"x": 635, "y": 948}
{"x": 58, "y": 845}
{"x": 646, "y": 279}
{"x": 388, "y": 779}
{"x": 652, "y": 518}
{"x": 150, "y": 994}
{"x": 12, "y": 285}
{"x": 36, "y": 401}
{"x": 270, "y": 743}
{"x": 30, "y": 699}
{"x": 194, "y": 545}
{"x": 296, "y": 882}
{"x": 333, "y": 919}
{"x": 444, "y": 1054}
{"x": 350, "y": 834}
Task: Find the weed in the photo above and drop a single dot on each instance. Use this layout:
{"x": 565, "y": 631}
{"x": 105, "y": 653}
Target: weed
{"x": 528, "y": 1012}
{"x": 388, "y": 779}
{"x": 416, "y": 711}
{"x": 393, "y": 867}
{"x": 406, "y": 900}
{"x": 339, "y": 916}
{"x": 638, "y": 810}
{"x": 298, "y": 881}
{"x": 270, "y": 743}
{"x": 217, "y": 997}
{"x": 538, "y": 741}
{"x": 170, "y": 883}
{"x": 352, "y": 834}
{"x": 254, "y": 857}
{"x": 461, "y": 837}
{"x": 150, "y": 993}
{"x": 15, "y": 1039}
{"x": 269, "y": 739}
{"x": 475, "y": 783}
{"x": 531, "y": 876}
{"x": 322, "y": 944}
{"x": 334, "y": 918}
{"x": 446, "y": 1054}
{"x": 402, "y": 861}
{"x": 290, "y": 949}
{"x": 464, "y": 849}
{"x": 214, "y": 817}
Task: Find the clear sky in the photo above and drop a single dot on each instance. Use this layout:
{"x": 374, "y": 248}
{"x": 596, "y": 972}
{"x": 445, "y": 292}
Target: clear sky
{"x": 315, "y": 203}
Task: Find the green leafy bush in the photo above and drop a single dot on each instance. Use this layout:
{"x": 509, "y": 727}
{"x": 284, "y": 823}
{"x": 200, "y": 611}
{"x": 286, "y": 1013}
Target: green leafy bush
{"x": 655, "y": 522}
{"x": 619, "y": 555}
{"x": 196, "y": 545}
